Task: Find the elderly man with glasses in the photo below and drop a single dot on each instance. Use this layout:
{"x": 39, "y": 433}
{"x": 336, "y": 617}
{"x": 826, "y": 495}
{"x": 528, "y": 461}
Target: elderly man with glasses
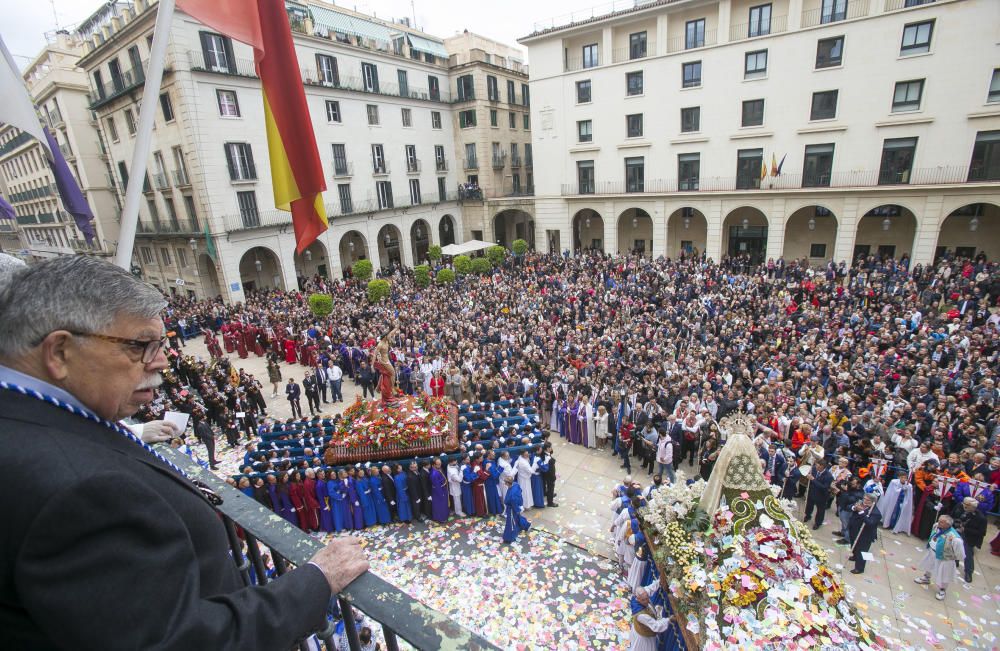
{"x": 112, "y": 546}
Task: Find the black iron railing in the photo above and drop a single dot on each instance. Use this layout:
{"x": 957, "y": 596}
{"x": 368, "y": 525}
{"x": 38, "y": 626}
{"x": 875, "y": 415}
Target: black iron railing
{"x": 399, "y": 615}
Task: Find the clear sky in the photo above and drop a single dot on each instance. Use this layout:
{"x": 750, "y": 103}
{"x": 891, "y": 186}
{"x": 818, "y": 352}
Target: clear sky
{"x": 25, "y": 22}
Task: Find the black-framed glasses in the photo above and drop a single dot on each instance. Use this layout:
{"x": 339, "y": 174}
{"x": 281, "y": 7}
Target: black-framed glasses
{"x": 148, "y": 347}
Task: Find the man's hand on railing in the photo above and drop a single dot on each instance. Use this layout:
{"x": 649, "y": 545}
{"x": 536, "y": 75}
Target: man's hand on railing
{"x": 342, "y": 561}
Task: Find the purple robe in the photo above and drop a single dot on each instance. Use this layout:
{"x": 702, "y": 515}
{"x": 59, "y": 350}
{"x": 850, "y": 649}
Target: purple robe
{"x": 355, "y": 505}
{"x": 325, "y": 506}
{"x": 573, "y": 424}
{"x": 439, "y": 496}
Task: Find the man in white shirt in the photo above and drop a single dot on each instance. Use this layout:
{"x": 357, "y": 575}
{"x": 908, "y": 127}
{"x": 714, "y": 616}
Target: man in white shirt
{"x": 665, "y": 456}
{"x": 917, "y": 457}
{"x": 905, "y": 440}
{"x": 335, "y": 375}
{"x": 455, "y": 487}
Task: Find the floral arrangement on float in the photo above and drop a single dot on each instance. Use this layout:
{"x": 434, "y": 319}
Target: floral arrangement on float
{"x": 741, "y": 571}
{"x": 403, "y": 426}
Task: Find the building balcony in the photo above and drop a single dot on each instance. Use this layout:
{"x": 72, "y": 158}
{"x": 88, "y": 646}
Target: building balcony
{"x": 32, "y": 194}
{"x": 623, "y": 54}
{"x": 129, "y": 80}
{"x": 343, "y": 170}
{"x": 54, "y": 119}
{"x": 681, "y": 43}
{"x": 471, "y": 164}
{"x": 181, "y": 179}
{"x": 413, "y": 166}
{"x": 499, "y": 161}
{"x": 15, "y": 142}
{"x": 236, "y": 67}
{"x": 441, "y": 165}
{"x": 420, "y": 626}
{"x": 515, "y": 162}
{"x": 380, "y": 169}
{"x": 67, "y": 152}
{"x": 169, "y": 227}
{"x": 160, "y": 181}
{"x": 357, "y": 84}
{"x": 893, "y": 5}
{"x": 855, "y": 9}
{"x": 792, "y": 181}
{"x": 743, "y": 31}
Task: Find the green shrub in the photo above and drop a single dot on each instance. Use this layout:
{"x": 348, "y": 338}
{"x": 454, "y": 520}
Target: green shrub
{"x": 463, "y": 265}
{"x": 481, "y": 266}
{"x": 362, "y": 270}
{"x": 496, "y": 254}
{"x": 520, "y": 247}
{"x": 422, "y": 275}
{"x": 445, "y": 277}
{"x": 321, "y": 304}
{"x": 378, "y": 290}
{"x": 434, "y": 253}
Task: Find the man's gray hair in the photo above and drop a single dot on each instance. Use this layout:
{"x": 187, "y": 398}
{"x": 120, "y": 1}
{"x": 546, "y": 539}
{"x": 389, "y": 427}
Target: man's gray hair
{"x": 77, "y": 293}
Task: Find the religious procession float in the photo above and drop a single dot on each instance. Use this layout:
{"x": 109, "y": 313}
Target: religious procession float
{"x": 394, "y": 426}
{"x": 740, "y": 571}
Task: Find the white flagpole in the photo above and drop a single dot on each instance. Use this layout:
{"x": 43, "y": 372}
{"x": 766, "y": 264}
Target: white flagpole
{"x": 144, "y": 134}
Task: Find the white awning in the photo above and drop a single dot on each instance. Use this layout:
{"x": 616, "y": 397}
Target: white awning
{"x": 466, "y": 247}
{"x": 335, "y": 21}
{"x": 422, "y": 44}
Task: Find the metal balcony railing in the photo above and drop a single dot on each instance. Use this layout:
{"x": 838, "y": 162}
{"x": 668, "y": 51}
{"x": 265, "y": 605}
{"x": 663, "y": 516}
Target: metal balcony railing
{"x": 441, "y": 165}
{"x": 633, "y": 53}
{"x": 160, "y": 181}
{"x": 795, "y": 181}
{"x": 15, "y": 142}
{"x": 471, "y": 164}
{"x": 413, "y": 166}
{"x": 572, "y": 64}
{"x": 743, "y": 31}
{"x": 200, "y": 61}
{"x": 66, "y": 150}
{"x": 129, "y": 80}
{"x": 173, "y": 226}
{"x": 422, "y": 627}
{"x": 893, "y": 5}
{"x": 499, "y": 161}
{"x": 854, "y": 9}
{"x": 181, "y": 178}
{"x": 342, "y": 169}
{"x": 680, "y": 43}
{"x": 515, "y": 162}
{"x": 380, "y": 168}
{"x": 54, "y": 119}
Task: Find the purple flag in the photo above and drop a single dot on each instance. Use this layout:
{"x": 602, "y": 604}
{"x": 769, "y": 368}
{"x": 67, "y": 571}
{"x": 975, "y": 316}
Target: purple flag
{"x": 73, "y": 200}
{"x": 6, "y": 210}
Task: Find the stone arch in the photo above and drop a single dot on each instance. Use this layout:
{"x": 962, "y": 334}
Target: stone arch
{"x": 420, "y": 240}
{"x": 588, "y": 231}
{"x": 260, "y": 268}
{"x": 447, "y": 230}
{"x": 513, "y": 224}
{"x": 209, "y": 276}
{"x": 744, "y": 232}
{"x": 353, "y": 247}
{"x": 314, "y": 261}
{"x": 969, "y": 231}
{"x": 885, "y": 231}
{"x": 390, "y": 242}
{"x": 810, "y": 234}
{"x": 635, "y": 232}
{"x": 687, "y": 232}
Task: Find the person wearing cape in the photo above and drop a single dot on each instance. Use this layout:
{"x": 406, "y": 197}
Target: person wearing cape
{"x": 896, "y": 505}
{"x": 537, "y": 483}
{"x": 325, "y": 502}
{"x": 439, "y": 493}
{"x": 366, "y": 500}
{"x": 404, "y": 508}
{"x": 515, "y": 522}
{"x": 493, "y": 469}
{"x": 338, "y": 497}
{"x": 378, "y": 497}
{"x": 468, "y": 476}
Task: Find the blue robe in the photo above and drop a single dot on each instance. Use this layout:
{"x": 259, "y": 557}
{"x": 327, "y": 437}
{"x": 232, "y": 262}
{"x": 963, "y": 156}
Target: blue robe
{"x": 468, "y": 476}
{"x": 439, "y": 495}
{"x": 286, "y": 510}
{"x": 537, "y": 487}
{"x": 563, "y": 410}
{"x": 325, "y": 506}
{"x": 493, "y": 504}
{"x": 381, "y": 506}
{"x": 403, "y": 508}
{"x": 367, "y": 502}
{"x": 341, "y": 509}
{"x": 352, "y": 499}
{"x": 516, "y": 523}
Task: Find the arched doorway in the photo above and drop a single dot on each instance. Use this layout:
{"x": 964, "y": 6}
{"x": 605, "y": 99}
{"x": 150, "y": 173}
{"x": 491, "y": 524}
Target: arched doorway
{"x": 513, "y": 224}
{"x": 209, "y": 276}
{"x": 885, "y": 231}
{"x": 744, "y": 232}
{"x": 420, "y": 240}
{"x": 687, "y": 233}
{"x": 969, "y": 231}
{"x": 810, "y": 234}
{"x": 353, "y": 247}
{"x": 260, "y": 268}
{"x": 588, "y": 231}
{"x": 446, "y": 230}
{"x": 389, "y": 242}
{"x": 635, "y": 232}
{"x": 311, "y": 262}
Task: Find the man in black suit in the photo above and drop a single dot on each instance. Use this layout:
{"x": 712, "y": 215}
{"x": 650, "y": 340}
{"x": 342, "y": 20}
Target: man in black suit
{"x": 112, "y": 547}
{"x": 425, "y": 485}
{"x": 777, "y": 465}
{"x": 203, "y": 431}
{"x": 862, "y": 530}
{"x": 819, "y": 493}
{"x": 389, "y": 490}
{"x": 549, "y": 476}
{"x": 294, "y": 394}
{"x": 415, "y": 489}
{"x": 309, "y": 385}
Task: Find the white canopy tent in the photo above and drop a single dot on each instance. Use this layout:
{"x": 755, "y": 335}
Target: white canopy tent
{"x": 466, "y": 247}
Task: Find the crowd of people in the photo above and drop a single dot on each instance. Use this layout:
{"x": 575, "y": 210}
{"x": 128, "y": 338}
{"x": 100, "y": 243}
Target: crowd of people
{"x": 875, "y": 379}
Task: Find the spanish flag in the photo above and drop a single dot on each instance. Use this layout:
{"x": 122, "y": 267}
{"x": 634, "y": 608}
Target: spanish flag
{"x": 763, "y": 170}
{"x": 296, "y": 170}
{"x": 774, "y": 165}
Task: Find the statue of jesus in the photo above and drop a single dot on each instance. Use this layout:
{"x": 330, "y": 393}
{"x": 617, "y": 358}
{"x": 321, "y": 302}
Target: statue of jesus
{"x": 383, "y": 366}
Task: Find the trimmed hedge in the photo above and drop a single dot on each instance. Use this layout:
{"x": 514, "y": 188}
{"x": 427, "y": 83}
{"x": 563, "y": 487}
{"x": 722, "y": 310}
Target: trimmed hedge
{"x": 496, "y": 255}
{"x": 434, "y": 252}
{"x": 463, "y": 265}
{"x": 520, "y": 247}
{"x": 362, "y": 270}
{"x": 445, "y": 277}
{"x": 378, "y": 290}
{"x": 422, "y": 275}
{"x": 482, "y": 266}
{"x": 321, "y": 304}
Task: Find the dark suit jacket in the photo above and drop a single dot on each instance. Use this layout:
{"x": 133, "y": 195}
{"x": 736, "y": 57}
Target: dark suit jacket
{"x": 107, "y": 548}
{"x": 292, "y": 391}
{"x": 864, "y": 524}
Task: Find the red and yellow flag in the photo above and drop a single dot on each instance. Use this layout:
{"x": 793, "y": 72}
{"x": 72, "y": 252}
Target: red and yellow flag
{"x": 296, "y": 170}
